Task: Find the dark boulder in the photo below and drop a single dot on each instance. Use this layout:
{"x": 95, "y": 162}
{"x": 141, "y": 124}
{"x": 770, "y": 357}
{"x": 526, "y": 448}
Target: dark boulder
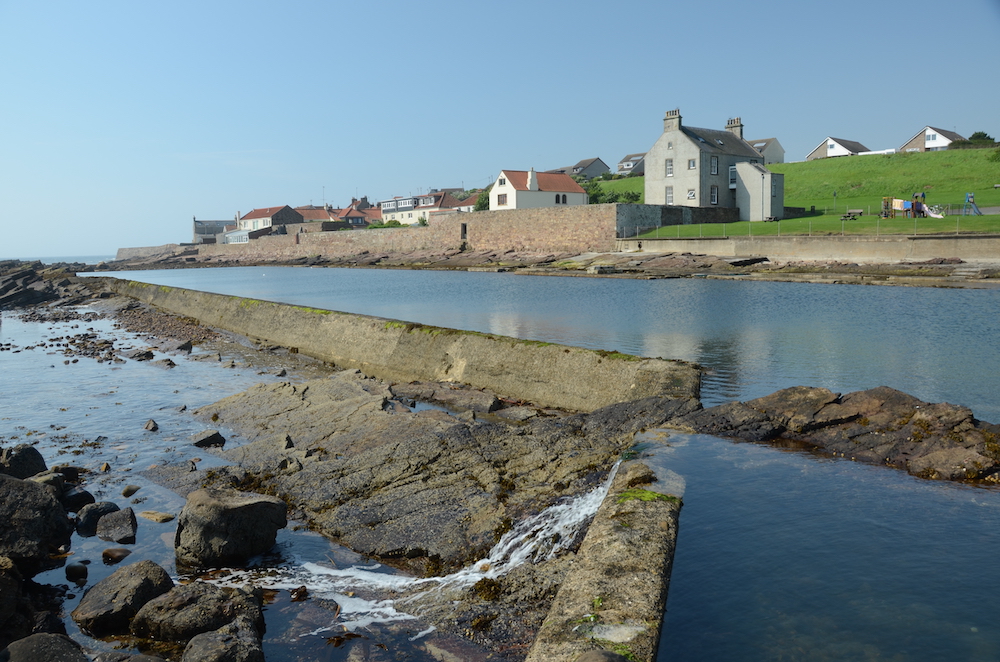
{"x": 21, "y": 461}
{"x": 74, "y": 498}
{"x": 44, "y": 647}
{"x": 191, "y": 609}
{"x": 33, "y": 525}
{"x": 235, "y": 642}
{"x": 219, "y": 527}
{"x": 119, "y": 526}
{"x": 733, "y": 419}
{"x": 208, "y": 439}
{"x": 89, "y": 515}
{"x": 108, "y": 606}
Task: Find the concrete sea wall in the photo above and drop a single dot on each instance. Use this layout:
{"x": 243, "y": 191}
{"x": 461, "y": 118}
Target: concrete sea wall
{"x": 844, "y": 249}
{"x": 545, "y": 374}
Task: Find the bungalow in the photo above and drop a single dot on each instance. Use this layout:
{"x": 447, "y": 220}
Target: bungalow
{"x": 693, "y": 167}
{"x": 632, "y": 164}
{"x": 929, "y": 139}
{"x": 836, "y": 147}
{"x": 517, "y": 189}
{"x": 588, "y": 169}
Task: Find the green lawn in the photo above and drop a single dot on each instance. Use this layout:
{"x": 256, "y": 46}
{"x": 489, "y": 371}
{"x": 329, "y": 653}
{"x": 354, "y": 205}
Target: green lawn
{"x": 832, "y": 225}
{"x": 862, "y": 181}
{"x": 637, "y": 184}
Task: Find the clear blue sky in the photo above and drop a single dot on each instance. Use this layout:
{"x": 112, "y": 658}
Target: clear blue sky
{"x": 120, "y": 121}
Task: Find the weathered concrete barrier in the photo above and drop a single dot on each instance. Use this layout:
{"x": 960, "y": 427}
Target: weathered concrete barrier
{"x": 614, "y": 597}
{"x": 851, "y": 248}
{"x": 544, "y": 374}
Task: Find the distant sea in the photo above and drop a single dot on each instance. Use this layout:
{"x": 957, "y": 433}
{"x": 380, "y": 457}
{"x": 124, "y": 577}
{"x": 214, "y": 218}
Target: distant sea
{"x": 86, "y": 259}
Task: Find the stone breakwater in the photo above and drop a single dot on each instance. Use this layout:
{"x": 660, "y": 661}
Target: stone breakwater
{"x": 545, "y": 374}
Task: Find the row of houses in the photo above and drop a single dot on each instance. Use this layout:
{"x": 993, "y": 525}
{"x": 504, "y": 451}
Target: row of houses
{"x": 928, "y": 139}
{"x": 284, "y": 219}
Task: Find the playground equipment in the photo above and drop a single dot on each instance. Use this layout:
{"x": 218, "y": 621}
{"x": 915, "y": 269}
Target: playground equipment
{"x": 970, "y": 208}
{"x": 915, "y": 208}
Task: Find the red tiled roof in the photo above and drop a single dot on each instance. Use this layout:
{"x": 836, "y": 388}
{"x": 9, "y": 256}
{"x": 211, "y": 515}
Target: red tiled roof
{"x": 315, "y": 214}
{"x": 265, "y": 212}
{"x": 547, "y": 181}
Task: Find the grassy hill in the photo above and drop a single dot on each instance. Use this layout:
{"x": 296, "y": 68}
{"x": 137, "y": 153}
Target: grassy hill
{"x": 862, "y": 181}
{"x": 636, "y": 184}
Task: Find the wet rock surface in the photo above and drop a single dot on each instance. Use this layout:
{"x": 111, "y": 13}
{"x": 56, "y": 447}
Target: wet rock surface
{"x": 191, "y": 609}
{"x": 220, "y": 527}
{"x": 34, "y": 526}
{"x": 417, "y": 489}
{"x": 108, "y": 607}
{"x": 876, "y": 426}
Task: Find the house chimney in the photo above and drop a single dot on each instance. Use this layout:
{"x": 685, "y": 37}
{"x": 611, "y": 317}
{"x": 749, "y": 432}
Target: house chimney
{"x": 672, "y": 120}
{"x": 532, "y": 180}
{"x": 734, "y": 125}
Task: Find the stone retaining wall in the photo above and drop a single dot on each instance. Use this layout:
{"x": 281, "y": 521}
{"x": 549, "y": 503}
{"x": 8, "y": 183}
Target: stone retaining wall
{"x": 544, "y": 374}
{"x": 975, "y": 248}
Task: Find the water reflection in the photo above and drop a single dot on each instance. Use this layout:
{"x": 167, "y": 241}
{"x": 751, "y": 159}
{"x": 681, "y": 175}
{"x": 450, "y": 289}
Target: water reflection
{"x": 755, "y": 337}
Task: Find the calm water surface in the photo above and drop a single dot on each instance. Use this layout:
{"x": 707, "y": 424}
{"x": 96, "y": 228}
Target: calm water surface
{"x": 755, "y": 337}
{"x": 781, "y": 555}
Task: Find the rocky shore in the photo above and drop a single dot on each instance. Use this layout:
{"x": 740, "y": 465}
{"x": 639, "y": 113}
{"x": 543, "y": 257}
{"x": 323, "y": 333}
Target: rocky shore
{"x": 938, "y": 272}
{"x": 425, "y": 477}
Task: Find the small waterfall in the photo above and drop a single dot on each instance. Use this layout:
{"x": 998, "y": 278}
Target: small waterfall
{"x": 535, "y": 539}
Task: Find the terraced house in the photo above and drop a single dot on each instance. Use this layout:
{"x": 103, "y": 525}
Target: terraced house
{"x": 695, "y": 167}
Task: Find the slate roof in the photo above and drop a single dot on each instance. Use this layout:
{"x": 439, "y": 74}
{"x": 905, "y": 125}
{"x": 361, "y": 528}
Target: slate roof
{"x": 720, "y": 141}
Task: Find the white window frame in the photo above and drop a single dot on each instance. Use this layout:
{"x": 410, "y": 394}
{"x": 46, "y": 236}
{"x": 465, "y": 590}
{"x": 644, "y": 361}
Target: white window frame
{"x": 668, "y": 197}
{"x": 692, "y": 164}
{"x": 715, "y": 165}
{"x": 714, "y": 194}
{"x": 668, "y": 166}
{"x": 692, "y": 195}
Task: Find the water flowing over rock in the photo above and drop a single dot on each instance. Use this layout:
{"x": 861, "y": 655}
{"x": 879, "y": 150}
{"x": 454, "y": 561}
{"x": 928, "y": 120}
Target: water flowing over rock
{"x": 226, "y": 527}
{"x": 33, "y": 525}
{"x": 419, "y": 489}
{"x": 108, "y": 606}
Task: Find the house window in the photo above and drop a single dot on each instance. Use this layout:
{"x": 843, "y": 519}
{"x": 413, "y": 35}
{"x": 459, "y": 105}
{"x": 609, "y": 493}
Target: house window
{"x": 502, "y": 199}
{"x": 714, "y": 195}
{"x": 410, "y": 215}
{"x": 557, "y": 198}
{"x": 691, "y": 195}
{"x": 831, "y": 146}
{"x": 670, "y": 145}
{"x": 715, "y": 165}
{"x": 564, "y": 198}
{"x": 669, "y": 167}
{"x": 774, "y": 189}
{"x": 931, "y": 136}
{"x": 502, "y": 182}
{"x": 692, "y": 164}
{"x": 669, "y": 197}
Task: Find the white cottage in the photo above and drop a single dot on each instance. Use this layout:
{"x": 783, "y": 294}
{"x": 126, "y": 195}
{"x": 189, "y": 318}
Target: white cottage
{"x": 517, "y": 189}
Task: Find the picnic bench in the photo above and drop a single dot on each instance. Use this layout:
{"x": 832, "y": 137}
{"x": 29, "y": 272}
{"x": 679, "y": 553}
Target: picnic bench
{"x": 852, "y": 214}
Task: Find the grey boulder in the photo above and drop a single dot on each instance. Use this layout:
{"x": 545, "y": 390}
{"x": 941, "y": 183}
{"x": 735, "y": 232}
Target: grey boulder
{"x": 111, "y": 603}
{"x": 191, "y": 609}
{"x": 33, "y": 524}
{"x": 44, "y": 647}
{"x": 222, "y": 528}
{"x": 119, "y": 526}
{"x": 21, "y": 461}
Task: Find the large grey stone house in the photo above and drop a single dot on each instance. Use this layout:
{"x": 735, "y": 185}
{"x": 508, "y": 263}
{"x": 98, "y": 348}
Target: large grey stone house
{"x": 695, "y": 167}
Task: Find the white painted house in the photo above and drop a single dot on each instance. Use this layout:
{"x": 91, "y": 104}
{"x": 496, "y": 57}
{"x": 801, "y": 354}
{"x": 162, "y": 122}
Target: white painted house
{"x": 836, "y": 147}
{"x": 929, "y": 139}
{"x": 517, "y": 189}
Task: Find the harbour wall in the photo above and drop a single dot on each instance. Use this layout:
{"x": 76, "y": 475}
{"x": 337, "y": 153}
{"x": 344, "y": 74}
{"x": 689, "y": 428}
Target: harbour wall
{"x": 885, "y": 249}
{"x": 545, "y": 374}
